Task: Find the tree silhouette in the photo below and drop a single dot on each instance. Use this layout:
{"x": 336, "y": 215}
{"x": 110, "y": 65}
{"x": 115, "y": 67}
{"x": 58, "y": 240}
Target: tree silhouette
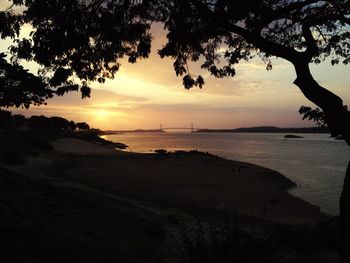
{"x": 39, "y": 123}
{"x": 315, "y": 115}
{"x": 82, "y": 126}
{"x": 18, "y": 87}
{"x": 59, "y": 124}
{"x": 5, "y": 119}
{"x": 50, "y": 124}
{"x": 85, "y": 39}
{"x": 71, "y": 39}
{"x": 301, "y": 32}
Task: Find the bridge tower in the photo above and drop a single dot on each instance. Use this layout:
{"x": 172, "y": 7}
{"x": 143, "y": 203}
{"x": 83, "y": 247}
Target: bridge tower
{"x": 191, "y": 126}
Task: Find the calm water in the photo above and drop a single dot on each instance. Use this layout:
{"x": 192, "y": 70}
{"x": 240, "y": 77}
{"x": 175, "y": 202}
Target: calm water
{"x": 317, "y": 163}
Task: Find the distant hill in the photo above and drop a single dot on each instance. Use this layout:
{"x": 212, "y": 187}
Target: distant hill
{"x": 267, "y": 129}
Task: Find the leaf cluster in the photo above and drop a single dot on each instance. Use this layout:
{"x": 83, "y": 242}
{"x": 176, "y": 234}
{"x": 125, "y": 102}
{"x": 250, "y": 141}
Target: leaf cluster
{"x": 79, "y": 41}
{"x": 315, "y": 115}
{"x": 221, "y": 33}
{"x": 18, "y": 87}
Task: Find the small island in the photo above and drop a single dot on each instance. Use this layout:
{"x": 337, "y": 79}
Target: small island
{"x": 292, "y": 136}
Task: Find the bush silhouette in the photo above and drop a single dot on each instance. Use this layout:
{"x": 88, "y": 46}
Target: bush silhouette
{"x": 225, "y": 242}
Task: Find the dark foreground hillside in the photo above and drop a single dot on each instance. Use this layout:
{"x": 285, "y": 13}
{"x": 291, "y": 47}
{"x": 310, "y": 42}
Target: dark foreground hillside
{"x": 41, "y": 222}
{"x": 84, "y": 202}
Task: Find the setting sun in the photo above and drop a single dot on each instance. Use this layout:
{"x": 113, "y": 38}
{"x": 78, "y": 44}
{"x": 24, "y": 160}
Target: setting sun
{"x": 101, "y": 113}
{"x": 103, "y": 117}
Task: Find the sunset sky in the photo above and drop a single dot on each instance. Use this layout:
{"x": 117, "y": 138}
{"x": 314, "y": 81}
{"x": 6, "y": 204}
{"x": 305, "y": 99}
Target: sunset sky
{"x": 148, "y": 93}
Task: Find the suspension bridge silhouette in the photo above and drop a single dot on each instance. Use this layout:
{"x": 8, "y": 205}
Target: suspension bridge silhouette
{"x": 191, "y": 128}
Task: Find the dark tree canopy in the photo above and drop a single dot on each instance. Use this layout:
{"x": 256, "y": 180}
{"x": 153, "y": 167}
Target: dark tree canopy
{"x": 79, "y": 41}
{"x": 71, "y": 39}
{"x": 18, "y": 87}
{"x": 18, "y": 122}
{"x": 223, "y": 31}
{"x": 82, "y": 126}
{"x": 84, "y": 40}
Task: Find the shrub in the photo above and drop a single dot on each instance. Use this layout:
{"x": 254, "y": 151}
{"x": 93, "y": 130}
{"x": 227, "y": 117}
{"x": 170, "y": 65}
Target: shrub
{"x": 225, "y": 243}
{"x": 39, "y": 141}
{"x": 11, "y": 156}
{"x": 160, "y": 151}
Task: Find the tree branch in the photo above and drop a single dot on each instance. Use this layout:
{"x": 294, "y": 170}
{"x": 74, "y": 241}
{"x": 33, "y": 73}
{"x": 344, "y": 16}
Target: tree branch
{"x": 253, "y": 37}
{"x": 283, "y": 12}
{"x": 337, "y": 115}
{"x": 94, "y": 4}
{"x": 9, "y": 8}
{"x": 311, "y": 45}
{"x": 321, "y": 34}
{"x": 265, "y": 45}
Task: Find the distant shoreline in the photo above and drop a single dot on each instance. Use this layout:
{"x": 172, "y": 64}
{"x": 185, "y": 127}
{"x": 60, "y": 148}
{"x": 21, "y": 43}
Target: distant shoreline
{"x": 265, "y": 129}
{"x": 260, "y": 129}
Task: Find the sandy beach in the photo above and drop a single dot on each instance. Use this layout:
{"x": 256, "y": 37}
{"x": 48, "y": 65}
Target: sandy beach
{"x": 191, "y": 181}
{"x": 119, "y": 204}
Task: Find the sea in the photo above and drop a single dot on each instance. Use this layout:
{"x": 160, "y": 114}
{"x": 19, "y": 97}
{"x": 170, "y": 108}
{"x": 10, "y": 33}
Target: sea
{"x": 316, "y": 163}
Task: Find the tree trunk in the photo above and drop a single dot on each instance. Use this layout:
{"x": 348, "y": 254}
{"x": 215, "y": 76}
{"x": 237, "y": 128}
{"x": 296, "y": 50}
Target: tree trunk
{"x": 338, "y": 119}
{"x": 345, "y": 219}
{"x": 337, "y": 115}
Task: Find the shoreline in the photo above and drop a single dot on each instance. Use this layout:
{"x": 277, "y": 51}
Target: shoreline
{"x": 124, "y": 206}
{"x": 290, "y": 157}
{"x": 191, "y": 179}
{"x": 188, "y": 179}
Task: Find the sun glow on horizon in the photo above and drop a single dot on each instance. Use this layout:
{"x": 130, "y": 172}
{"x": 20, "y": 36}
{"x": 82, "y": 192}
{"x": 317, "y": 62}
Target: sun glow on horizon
{"x": 101, "y": 114}
{"x": 102, "y": 118}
